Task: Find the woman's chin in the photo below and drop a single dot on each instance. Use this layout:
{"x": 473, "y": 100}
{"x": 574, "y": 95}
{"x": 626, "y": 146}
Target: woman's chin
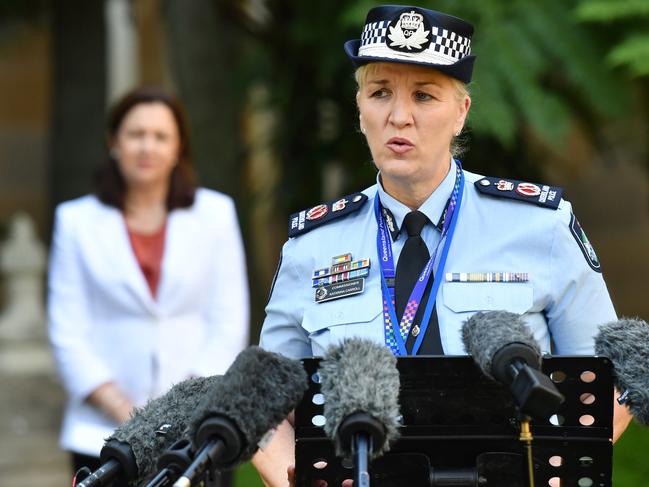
{"x": 401, "y": 173}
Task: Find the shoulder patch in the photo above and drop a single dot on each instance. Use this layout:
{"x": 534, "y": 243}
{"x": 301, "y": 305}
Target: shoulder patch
{"x": 584, "y": 244}
{"x": 541, "y": 195}
{"x": 306, "y": 220}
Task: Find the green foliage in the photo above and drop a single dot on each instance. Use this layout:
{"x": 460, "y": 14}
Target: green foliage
{"x": 608, "y": 10}
{"x": 247, "y": 476}
{"x": 299, "y": 56}
{"x": 632, "y": 52}
{"x": 630, "y": 467}
{"x": 631, "y": 20}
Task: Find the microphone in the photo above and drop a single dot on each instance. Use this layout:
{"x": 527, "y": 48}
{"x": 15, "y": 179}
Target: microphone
{"x": 504, "y": 348}
{"x": 626, "y": 344}
{"x": 360, "y": 383}
{"x": 131, "y": 451}
{"x": 256, "y": 393}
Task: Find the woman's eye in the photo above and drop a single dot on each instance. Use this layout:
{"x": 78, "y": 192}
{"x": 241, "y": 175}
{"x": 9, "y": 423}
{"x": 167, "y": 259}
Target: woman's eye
{"x": 421, "y": 96}
{"x": 382, "y": 93}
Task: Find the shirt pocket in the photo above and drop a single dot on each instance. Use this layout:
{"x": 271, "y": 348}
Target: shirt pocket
{"x": 353, "y": 316}
{"x": 462, "y": 297}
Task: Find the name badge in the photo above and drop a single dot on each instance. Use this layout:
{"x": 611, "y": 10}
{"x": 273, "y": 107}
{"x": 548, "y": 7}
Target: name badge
{"x": 339, "y": 290}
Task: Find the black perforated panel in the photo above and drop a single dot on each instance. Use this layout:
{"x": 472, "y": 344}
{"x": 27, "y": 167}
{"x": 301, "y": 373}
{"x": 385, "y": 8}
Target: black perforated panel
{"x": 457, "y": 422}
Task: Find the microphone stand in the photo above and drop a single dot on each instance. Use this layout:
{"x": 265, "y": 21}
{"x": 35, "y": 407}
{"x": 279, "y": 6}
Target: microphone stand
{"x": 222, "y": 443}
{"x": 172, "y": 463}
{"x": 534, "y": 393}
{"x": 118, "y": 463}
{"x": 359, "y": 432}
{"x": 526, "y": 436}
{"x": 361, "y": 447}
{"x": 102, "y": 476}
{"x": 211, "y": 450}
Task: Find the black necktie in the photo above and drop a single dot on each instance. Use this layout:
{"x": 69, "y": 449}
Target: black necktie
{"x": 412, "y": 260}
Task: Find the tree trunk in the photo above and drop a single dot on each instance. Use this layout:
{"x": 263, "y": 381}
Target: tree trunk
{"x": 203, "y": 49}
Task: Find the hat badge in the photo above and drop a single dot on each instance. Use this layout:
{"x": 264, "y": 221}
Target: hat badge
{"x": 409, "y": 33}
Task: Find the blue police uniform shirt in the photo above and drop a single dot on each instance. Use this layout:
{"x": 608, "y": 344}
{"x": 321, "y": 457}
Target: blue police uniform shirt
{"x": 563, "y": 301}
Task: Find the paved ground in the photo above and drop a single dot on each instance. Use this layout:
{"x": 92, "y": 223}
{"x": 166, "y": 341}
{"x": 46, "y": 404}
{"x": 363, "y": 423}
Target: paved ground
{"x": 30, "y": 410}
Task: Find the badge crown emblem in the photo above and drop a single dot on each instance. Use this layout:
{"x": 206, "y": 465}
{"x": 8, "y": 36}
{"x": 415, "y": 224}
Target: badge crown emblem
{"x": 409, "y": 32}
{"x": 411, "y": 20}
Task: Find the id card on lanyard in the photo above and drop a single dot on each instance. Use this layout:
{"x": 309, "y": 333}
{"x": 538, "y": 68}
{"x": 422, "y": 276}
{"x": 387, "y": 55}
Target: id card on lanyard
{"x": 396, "y": 331}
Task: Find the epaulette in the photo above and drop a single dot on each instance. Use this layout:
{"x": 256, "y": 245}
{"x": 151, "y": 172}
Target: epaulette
{"x": 305, "y": 220}
{"x": 542, "y": 195}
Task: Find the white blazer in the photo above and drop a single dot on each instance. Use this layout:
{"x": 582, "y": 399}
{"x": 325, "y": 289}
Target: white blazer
{"x": 104, "y": 325}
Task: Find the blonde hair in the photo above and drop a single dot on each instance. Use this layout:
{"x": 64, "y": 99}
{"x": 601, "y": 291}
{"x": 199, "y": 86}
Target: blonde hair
{"x": 458, "y": 143}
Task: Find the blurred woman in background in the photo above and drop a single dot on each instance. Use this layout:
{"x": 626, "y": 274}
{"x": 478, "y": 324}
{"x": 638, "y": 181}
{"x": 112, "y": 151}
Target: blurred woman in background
{"x": 147, "y": 279}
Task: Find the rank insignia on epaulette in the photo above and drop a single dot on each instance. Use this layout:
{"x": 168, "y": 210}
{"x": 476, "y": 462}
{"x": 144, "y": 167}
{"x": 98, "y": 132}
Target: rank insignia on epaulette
{"x": 542, "y": 195}
{"x": 330, "y": 281}
{"x": 305, "y": 220}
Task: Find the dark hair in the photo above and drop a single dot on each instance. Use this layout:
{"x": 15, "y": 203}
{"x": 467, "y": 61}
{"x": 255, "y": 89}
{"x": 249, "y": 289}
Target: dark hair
{"x": 110, "y": 187}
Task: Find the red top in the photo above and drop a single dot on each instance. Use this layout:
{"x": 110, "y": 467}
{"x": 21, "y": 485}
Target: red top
{"x": 148, "y": 250}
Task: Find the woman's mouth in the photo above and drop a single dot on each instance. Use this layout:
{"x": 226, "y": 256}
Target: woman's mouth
{"x": 400, "y": 145}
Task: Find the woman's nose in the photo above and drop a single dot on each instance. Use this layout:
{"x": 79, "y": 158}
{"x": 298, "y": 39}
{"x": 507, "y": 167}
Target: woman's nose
{"x": 401, "y": 112}
{"x": 147, "y": 143}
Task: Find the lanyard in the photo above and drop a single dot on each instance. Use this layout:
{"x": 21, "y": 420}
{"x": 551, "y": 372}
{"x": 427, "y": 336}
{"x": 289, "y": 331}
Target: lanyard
{"x": 396, "y": 332}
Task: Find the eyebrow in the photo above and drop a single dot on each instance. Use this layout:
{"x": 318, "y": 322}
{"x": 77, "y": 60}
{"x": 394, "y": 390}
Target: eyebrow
{"x": 418, "y": 83}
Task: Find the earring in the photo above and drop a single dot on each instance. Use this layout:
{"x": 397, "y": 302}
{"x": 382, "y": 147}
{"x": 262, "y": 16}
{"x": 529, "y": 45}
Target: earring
{"x": 457, "y": 134}
{"x": 362, "y": 130}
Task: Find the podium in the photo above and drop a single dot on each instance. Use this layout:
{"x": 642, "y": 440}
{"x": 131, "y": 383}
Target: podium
{"x": 460, "y": 428}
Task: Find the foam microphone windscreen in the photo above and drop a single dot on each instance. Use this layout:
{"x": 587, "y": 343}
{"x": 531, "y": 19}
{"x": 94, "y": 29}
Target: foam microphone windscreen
{"x": 486, "y": 333}
{"x": 626, "y": 344}
{"x": 360, "y": 376}
{"x": 162, "y": 421}
{"x": 257, "y": 393}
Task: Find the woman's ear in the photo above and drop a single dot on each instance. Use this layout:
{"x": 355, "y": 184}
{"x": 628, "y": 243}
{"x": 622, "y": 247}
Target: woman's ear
{"x": 360, "y": 123}
{"x": 463, "y": 112}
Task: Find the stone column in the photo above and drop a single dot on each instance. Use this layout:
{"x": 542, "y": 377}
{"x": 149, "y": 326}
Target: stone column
{"x": 22, "y": 265}
{"x": 122, "y": 49}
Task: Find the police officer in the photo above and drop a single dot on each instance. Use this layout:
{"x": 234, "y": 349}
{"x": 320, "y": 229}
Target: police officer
{"x": 406, "y": 261}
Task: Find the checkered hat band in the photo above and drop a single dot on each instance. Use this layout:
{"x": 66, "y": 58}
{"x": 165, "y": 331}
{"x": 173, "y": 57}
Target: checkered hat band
{"x": 446, "y": 47}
